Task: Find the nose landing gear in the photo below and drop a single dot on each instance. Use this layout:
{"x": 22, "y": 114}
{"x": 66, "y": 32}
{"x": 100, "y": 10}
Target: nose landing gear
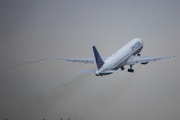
{"x": 122, "y": 68}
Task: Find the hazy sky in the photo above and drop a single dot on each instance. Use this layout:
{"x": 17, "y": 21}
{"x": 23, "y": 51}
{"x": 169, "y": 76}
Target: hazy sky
{"x": 33, "y": 30}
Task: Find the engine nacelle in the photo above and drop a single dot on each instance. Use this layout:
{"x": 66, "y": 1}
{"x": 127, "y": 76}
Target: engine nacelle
{"x": 145, "y": 63}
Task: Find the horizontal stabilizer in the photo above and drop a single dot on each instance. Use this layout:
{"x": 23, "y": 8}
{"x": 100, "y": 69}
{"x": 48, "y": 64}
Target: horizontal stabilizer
{"x": 87, "y": 71}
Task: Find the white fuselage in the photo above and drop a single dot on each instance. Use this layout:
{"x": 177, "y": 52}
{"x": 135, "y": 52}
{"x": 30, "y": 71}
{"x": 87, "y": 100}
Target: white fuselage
{"x": 120, "y": 57}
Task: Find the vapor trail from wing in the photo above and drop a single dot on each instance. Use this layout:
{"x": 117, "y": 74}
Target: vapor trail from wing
{"x": 17, "y": 65}
{"x": 82, "y": 76}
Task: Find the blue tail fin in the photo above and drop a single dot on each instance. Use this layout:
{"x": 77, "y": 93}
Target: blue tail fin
{"x": 99, "y": 61}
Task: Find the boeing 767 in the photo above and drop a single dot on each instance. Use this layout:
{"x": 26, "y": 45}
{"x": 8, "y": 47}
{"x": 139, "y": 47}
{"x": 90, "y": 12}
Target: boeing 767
{"x": 129, "y": 54}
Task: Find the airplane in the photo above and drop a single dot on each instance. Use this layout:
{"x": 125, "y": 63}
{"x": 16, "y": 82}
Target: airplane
{"x": 129, "y": 54}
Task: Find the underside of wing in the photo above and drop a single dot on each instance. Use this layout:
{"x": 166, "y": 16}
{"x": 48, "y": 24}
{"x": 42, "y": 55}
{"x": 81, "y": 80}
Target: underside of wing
{"x": 144, "y": 59}
{"x": 87, "y": 71}
{"x": 81, "y": 60}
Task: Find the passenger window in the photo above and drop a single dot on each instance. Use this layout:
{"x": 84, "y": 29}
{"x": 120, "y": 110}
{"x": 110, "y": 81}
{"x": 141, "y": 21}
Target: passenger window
{"x": 114, "y": 54}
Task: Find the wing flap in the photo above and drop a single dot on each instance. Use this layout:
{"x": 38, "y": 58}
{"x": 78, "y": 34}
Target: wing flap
{"x": 80, "y": 60}
{"x": 145, "y": 59}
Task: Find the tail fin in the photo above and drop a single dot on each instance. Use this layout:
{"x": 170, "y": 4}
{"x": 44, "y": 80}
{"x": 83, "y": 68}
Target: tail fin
{"x": 99, "y": 61}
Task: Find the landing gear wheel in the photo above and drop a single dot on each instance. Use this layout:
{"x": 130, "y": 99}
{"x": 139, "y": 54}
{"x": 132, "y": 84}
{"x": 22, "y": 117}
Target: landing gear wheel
{"x": 138, "y": 54}
{"x": 131, "y": 70}
{"x": 122, "y": 68}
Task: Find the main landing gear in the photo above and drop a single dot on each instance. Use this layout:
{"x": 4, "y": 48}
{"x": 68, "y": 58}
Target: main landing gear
{"x": 131, "y": 70}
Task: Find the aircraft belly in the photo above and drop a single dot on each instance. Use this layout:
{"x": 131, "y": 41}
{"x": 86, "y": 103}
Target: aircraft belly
{"x": 121, "y": 64}
{"x": 101, "y": 74}
{"x": 123, "y": 61}
{"x": 138, "y": 50}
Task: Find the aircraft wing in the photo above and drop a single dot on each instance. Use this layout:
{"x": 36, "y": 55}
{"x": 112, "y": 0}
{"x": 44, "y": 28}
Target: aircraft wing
{"x": 81, "y": 60}
{"x": 144, "y": 59}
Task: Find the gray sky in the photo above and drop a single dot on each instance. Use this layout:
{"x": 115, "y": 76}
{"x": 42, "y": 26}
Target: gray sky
{"x": 34, "y": 30}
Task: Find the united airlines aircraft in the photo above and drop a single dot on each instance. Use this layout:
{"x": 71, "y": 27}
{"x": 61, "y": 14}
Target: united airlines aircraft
{"x": 129, "y": 54}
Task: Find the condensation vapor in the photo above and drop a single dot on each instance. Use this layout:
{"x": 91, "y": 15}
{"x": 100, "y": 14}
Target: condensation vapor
{"x": 17, "y": 65}
{"x": 51, "y": 98}
{"x": 38, "y": 103}
{"x": 82, "y": 76}
{"x": 102, "y": 101}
